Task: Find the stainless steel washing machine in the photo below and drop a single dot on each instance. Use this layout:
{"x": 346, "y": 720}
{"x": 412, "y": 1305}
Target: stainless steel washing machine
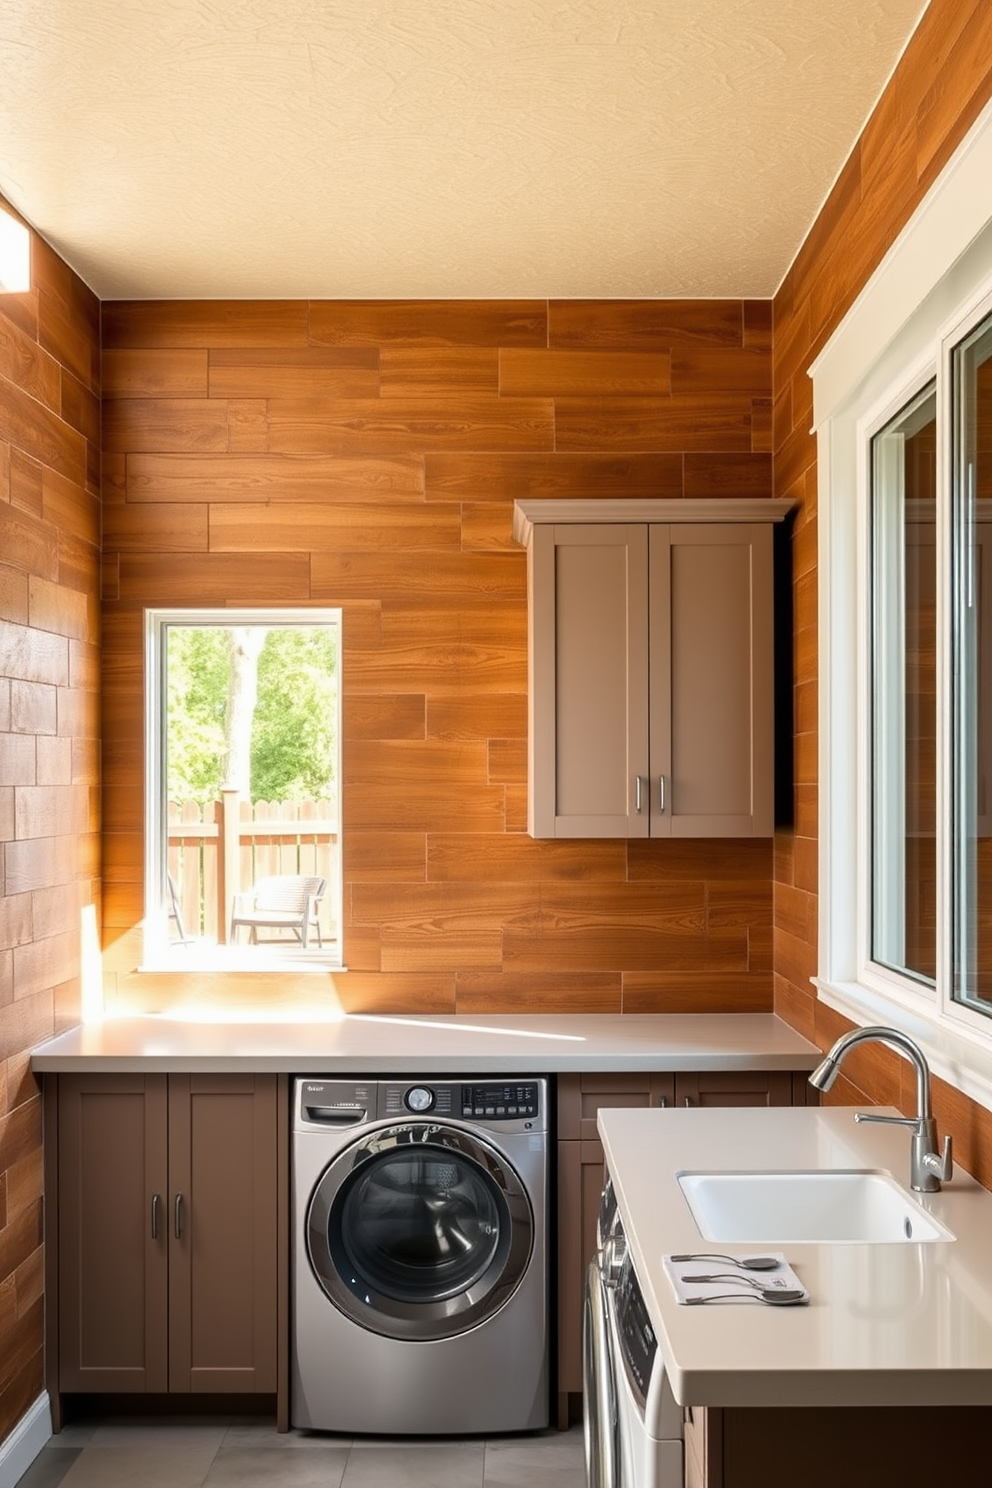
{"x": 420, "y": 1255}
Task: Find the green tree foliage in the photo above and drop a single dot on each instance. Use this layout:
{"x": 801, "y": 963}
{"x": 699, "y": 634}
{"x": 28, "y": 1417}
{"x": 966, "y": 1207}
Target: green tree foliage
{"x": 197, "y": 667}
{"x": 293, "y": 746}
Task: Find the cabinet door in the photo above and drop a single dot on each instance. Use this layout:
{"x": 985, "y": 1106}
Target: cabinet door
{"x": 588, "y": 681}
{"x": 735, "y": 1088}
{"x": 711, "y": 689}
{"x": 113, "y": 1251}
{"x": 582, "y": 1097}
{"x": 222, "y": 1233}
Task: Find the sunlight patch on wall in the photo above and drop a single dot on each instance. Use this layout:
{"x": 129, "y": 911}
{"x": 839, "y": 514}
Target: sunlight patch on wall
{"x": 15, "y": 255}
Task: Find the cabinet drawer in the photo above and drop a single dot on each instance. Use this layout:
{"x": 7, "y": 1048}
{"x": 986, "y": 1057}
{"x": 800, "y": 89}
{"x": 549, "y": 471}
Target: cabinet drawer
{"x": 582, "y": 1097}
{"x": 734, "y": 1088}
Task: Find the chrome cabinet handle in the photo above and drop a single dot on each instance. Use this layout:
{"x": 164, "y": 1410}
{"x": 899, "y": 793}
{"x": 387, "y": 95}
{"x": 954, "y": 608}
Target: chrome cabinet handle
{"x": 661, "y": 792}
{"x": 155, "y": 1199}
{"x": 638, "y": 789}
{"x": 179, "y": 1216}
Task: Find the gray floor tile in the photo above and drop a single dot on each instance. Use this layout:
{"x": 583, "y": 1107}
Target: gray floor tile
{"x": 553, "y": 1460}
{"x": 197, "y": 1452}
{"x": 263, "y": 1433}
{"x": 75, "y": 1435}
{"x": 316, "y": 1466}
{"x": 199, "y": 1433}
{"x": 404, "y": 1464}
{"x": 49, "y": 1467}
{"x": 140, "y": 1466}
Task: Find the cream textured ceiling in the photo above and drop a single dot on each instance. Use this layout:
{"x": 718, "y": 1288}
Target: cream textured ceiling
{"x": 450, "y": 148}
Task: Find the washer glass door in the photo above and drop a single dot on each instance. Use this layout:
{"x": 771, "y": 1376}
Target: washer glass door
{"x": 419, "y": 1231}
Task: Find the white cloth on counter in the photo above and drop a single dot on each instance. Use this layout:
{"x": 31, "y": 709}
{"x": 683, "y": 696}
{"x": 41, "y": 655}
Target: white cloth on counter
{"x": 732, "y": 1279}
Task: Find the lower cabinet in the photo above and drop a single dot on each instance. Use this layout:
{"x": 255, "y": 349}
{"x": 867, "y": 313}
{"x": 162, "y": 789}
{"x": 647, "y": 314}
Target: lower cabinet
{"x": 581, "y": 1171}
{"x": 824, "y": 1446}
{"x": 167, "y": 1213}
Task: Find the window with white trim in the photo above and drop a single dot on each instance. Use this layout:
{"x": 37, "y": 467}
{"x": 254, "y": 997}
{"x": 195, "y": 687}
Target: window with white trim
{"x": 242, "y": 799}
{"x": 903, "y": 418}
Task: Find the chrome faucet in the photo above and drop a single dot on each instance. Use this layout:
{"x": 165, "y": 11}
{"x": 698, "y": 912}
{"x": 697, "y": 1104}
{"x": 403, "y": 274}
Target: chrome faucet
{"x": 928, "y": 1167}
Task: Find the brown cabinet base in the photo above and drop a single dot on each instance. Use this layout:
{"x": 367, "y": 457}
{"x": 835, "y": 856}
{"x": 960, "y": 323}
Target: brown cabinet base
{"x": 838, "y": 1447}
{"x": 167, "y": 1239}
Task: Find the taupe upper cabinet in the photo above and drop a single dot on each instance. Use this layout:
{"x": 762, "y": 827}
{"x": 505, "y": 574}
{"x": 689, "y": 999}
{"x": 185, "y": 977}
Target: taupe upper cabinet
{"x": 651, "y": 667}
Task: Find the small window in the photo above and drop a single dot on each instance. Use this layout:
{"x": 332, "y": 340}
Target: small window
{"x": 243, "y": 843}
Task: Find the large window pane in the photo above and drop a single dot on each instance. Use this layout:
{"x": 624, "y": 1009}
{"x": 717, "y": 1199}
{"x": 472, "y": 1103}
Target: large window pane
{"x": 904, "y": 706}
{"x": 972, "y": 668}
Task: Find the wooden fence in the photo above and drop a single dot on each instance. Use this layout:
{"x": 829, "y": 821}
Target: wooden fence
{"x": 217, "y": 850}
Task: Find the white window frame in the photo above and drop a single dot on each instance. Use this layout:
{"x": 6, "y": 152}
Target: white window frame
{"x": 932, "y": 285}
{"x": 223, "y": 960}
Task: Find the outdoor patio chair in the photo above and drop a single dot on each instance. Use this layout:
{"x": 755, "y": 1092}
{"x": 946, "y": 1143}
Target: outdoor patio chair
{"x": 284, "y": 902}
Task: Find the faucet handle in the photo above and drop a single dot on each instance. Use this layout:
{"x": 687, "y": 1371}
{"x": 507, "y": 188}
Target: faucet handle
{"x": 941, "y": 1163}
{"x": 886, "y": 1120}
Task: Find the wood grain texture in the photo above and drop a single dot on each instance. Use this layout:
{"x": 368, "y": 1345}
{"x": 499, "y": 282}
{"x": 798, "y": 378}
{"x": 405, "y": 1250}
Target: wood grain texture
{"x": 26, "y": 364}
{"x": 471, "y": 323}
{"x": 214, "y": 324}
{"x": 400, "y": 425}
{"x": 159, "y": 424}
{"x": 478, "y": 716}
{"x": 259, "y": 477}
{"x": 696, "y": 992}
{"x": 746, "y": 475}
{"x": 249, "y": 527}
{"x": 544, "y": 992}
{"x": 586, "y": 374}
{"x": 49, "y": 744}
{"x": 718, "y": 422}
{"x": 619, "y": 325}
{"x": 314, "y": 372}
{"x": 259, "y": 578}
{"x": 465, "y": 577}
{"x": 40, "y": 433}
{"x": 442, "y": 371}
{"x": 508, "y": 478}
{"x": 394, "y": 500}
{"x": 177, "y": 373}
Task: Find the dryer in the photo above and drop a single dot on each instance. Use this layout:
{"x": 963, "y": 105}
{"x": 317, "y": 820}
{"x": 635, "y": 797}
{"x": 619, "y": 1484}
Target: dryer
{"x": 633, "y": 1426}
{"x": 419, "y": 1268}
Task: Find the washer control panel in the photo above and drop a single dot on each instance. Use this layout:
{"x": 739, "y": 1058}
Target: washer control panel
{"x": 488, "y": 1101}
{"x": 501, "y": 1102}
{"x": 638, "y": 1344}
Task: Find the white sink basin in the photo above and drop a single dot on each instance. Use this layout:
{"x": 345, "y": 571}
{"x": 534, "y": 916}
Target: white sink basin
{"x": 823, "y": 1207}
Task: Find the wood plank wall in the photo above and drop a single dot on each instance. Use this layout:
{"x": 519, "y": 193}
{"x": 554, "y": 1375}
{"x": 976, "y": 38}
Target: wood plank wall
{"x": 367, "y": 455}
{"x": 942, "y": 82}
{"x": 49, "y": 746}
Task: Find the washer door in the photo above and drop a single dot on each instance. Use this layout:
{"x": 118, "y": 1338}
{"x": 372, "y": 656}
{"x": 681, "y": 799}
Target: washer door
{"x": 419, "y": 1231}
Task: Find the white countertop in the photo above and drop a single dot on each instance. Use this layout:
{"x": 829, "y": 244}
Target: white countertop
{"x": 367, "y": 1044}
{"x": 902, "y": 1324}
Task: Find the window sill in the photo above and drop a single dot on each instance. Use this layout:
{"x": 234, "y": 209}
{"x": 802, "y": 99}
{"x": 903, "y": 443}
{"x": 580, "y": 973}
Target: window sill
{"x": 234, "y": 960}
{"x": 961, "y": 1059}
